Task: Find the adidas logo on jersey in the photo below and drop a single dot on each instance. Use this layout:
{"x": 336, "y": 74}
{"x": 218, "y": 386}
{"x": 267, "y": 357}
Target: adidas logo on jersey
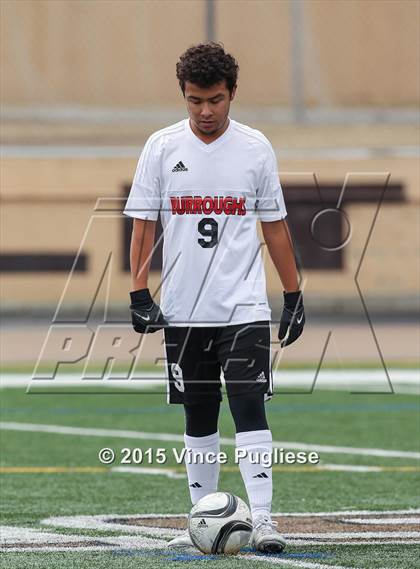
{"x": 180, "y": 167}
{"x": 261, "y": 378}
{"x": 260, "y": 475}
{"x": 195, "y": 485}
{"x": 202, "y": 523}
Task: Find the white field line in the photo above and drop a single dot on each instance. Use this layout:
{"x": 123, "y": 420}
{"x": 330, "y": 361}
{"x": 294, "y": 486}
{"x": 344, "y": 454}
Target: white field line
{"x": 349, "y": 468}
{"x": 143, "y": 435}
{"x": 57, "y": 549}
{"x": 403, "y": 380}
{"x": 17, "y": 534}
{"x": 338, "y": 513}
{"x": 383, "y": 521}
{"x": 11, "y": 535}
{"x": 294, "y": 563}
{"x": 115, "y": 522}
{"x": 172, "y": 473}
{"x": 108, "y": 523}
{"x": 169, "y": 472}
{"x": 289, "y": 514}
{"x": 103, "y": 522}
{"x": 366, "y": 535}
{"x": 393, "y": 541}
{"x": 42, "y": 541}
{"x": 114, "y": 546}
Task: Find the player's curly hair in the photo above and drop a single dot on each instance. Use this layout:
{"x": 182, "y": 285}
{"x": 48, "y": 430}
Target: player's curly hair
{"x": 206, "y": 64}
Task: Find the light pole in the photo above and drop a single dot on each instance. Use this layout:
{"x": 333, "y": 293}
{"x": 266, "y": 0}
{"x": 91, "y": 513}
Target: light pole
{"x": 210, "y": 20}
{"x": 296, "y": 59}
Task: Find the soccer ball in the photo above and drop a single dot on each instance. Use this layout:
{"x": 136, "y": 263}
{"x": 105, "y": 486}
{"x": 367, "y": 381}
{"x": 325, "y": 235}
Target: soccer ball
{"x": 220, "y": 523}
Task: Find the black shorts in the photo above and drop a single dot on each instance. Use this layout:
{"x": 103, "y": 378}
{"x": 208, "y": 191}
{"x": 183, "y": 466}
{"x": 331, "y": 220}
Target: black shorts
{"x": 197, "y": 356}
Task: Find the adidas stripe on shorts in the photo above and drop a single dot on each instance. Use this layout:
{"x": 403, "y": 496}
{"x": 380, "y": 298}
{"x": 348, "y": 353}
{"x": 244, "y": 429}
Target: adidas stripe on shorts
{"x": 196, "y": 357}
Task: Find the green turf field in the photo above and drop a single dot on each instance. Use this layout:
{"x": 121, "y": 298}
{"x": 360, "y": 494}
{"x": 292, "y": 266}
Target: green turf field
{"x": 58, "y": 475}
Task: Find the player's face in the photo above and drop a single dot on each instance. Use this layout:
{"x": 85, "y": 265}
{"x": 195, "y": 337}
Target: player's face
{"x": 208, "y": 108}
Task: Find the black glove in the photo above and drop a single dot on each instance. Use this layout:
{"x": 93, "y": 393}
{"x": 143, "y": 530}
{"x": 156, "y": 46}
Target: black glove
{"x": 292, "y": 318}
{"x": 146, "y": 316}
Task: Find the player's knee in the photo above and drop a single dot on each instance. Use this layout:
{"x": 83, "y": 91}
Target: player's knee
{"x": 201, "y": 418}
{"x": 248, "y": 412}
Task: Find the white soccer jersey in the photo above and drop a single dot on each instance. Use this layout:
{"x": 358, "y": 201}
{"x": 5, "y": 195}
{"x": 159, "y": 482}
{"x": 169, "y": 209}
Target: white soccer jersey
{"x": 209, "y": 197}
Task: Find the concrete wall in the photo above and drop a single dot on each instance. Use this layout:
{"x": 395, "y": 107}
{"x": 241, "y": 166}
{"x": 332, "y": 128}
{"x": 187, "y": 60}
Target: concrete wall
{"x": 123, "y": 53}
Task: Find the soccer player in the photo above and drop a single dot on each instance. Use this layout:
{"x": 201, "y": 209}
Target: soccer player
{"x": 211, "y": 178}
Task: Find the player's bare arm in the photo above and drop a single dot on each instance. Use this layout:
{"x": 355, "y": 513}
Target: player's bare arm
{"x": 142, "y": 241}
{"x": 279, "y": 243}
{"x": 146, "y": 316}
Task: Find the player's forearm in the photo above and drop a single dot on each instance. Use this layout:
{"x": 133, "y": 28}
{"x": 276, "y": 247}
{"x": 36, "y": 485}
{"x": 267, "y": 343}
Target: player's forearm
{"x": 141, "y": 249}
{"x": 279, "y": 243}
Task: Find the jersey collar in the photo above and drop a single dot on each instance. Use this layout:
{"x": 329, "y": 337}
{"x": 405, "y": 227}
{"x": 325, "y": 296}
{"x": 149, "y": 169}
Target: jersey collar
{"x": 213, "y": 145}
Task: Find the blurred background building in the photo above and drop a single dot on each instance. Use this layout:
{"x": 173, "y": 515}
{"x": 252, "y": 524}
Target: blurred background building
{"x": 333, "y": 84}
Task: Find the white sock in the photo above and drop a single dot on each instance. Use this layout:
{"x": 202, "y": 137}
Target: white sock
{"x": 257, "y": 478}
{"x": 202, "y": 478}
